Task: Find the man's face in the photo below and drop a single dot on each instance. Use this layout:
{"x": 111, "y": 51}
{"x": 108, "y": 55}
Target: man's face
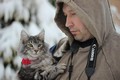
{"x": 75, "y": 25}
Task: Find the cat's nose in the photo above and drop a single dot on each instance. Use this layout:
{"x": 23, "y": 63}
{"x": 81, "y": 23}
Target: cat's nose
{"x": 36, "y": 51}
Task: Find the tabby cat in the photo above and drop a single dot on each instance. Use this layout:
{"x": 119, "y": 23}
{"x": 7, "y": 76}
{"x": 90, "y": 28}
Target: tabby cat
{"x": 40, "y": 65}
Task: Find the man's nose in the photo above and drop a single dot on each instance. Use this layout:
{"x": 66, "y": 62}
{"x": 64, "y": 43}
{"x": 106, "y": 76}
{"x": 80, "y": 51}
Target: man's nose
{"x": 68, "y": 22}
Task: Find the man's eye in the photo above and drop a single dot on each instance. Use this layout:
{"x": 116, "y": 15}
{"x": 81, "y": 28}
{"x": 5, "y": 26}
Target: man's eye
{"x": 39, "y": 45}
{"x": 73, "y": 13}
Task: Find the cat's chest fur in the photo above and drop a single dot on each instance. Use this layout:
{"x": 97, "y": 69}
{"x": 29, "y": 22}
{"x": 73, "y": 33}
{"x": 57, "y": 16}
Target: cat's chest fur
{"x": 43, "y": 61}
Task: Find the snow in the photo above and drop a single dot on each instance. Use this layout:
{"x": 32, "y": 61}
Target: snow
{"x": 2, "y": 69}
{"x": 116, "y": 18}
{"x": 10, "y": 74}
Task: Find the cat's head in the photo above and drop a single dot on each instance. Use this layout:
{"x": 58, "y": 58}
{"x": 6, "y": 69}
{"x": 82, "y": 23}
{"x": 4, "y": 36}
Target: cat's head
{"x": 32, "y": 46}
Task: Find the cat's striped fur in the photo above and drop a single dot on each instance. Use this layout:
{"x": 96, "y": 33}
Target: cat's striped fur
{"x": 42, "y": 65}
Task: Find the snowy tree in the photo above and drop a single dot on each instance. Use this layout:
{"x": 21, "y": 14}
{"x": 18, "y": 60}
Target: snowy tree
{"x": 30, "y": 15}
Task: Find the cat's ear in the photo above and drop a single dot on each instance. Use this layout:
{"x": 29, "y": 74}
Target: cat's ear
{"x": 41, "y": 35}
{"x": 24, "y": 36}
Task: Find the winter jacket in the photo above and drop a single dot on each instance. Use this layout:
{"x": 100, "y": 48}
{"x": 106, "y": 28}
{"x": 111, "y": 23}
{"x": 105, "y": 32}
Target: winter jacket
{"x": 96, "y": 15}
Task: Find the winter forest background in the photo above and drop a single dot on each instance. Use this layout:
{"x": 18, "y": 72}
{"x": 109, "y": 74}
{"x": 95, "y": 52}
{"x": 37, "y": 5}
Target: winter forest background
{"x": 32, "y": 16}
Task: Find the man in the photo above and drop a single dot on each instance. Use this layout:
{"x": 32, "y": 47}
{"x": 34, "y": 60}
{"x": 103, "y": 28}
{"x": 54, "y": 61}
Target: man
{"x": 92, "y": 49}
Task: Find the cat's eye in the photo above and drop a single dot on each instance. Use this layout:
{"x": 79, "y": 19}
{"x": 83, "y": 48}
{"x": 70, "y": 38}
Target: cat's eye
{"x": 30, "y": 45}
{"x": 39, "y": 45}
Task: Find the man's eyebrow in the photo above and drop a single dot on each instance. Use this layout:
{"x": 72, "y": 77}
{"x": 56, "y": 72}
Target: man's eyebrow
{"x": 71, "y": 11}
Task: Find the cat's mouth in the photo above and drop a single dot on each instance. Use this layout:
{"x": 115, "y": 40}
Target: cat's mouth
{"x": 33, "y": 59}
{"x": 32, "y": 56}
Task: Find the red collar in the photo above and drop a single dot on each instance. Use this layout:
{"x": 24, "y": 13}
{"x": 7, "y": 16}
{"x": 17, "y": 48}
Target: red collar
{"x": 26, "y": 61}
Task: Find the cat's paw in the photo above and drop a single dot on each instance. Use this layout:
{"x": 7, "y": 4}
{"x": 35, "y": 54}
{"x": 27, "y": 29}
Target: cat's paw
{"x": 60, "y": 68}
{"x": 55, "y": 70}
